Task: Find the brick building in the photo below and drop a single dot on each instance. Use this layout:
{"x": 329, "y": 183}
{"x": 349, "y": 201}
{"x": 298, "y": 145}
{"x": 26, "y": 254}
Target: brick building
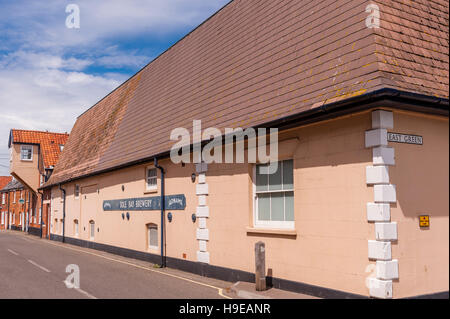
{"x": 16, "y": 204}
{"x": 33, "y": 157}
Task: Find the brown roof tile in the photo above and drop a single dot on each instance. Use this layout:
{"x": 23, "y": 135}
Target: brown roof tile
{"x": 257, "y": 61}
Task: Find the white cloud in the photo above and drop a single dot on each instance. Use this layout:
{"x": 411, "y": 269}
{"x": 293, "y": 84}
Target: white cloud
{"x": 45, "y": 76}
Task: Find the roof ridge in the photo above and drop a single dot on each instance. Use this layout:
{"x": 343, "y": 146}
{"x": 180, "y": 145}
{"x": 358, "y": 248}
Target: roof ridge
{"x": 37, "y": 131}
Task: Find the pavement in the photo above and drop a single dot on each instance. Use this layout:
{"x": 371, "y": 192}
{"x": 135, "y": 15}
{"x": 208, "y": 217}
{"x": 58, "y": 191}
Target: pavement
{"x": 34, "y": 268}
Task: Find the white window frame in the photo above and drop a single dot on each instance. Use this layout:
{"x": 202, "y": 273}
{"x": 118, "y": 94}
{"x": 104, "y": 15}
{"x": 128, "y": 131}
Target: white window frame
{"x": 149, "y": 227}
{"x": 269, "y": 224}
{"x": 147, "y": 178}
{"x": 26, "y": 147}
{"x": 14, "y": 197}
{"x": 3, "y": 198}
{"x": 3, "y": 218}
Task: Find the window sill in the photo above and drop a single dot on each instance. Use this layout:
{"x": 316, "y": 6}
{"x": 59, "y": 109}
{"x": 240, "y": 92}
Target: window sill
{"x": 272, "y": 231}
{"x": 151, "y": 191}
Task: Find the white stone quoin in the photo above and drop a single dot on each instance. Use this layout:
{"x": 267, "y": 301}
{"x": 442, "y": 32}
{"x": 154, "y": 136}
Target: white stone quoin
{"x": 202, "y": 189}
{"x": 385, "y": 193}
{"x": 383, "y": 156}
{"x": 202, "y": 223}
{"x": 202, "y": 211}
{"x": 202, "y": 200}
{"x": 386, "y": 231}
{"x": 377, "y": 175}
{"x": 379, "y": 212}
{"x": 387, "y": 270}
{"x": 203, "y": 257}
{"x": 202, "y": 245}
{"x": 375, "y": 138}
{"x": 382, "y": 119}
{"x": 380, "y": 288}
{"x": 202, "y": 234}
{"x": 379, "y": 250}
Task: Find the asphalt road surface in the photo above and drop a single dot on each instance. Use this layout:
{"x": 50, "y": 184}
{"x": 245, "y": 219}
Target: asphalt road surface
{"x": 36, "y": 268}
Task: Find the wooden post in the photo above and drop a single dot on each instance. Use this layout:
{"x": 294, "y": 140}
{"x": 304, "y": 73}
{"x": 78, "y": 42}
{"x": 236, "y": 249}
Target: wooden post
{"x": 260, "y": 266}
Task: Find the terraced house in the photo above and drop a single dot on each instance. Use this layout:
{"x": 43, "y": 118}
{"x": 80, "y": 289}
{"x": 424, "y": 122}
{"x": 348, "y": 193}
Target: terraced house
{"x": 33, "y": 157}
{"x": 358, "y": 206}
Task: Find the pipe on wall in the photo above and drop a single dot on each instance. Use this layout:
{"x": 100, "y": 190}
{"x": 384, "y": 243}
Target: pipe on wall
{"x": 64, "y": 212}
{"x": 163, "y": 202}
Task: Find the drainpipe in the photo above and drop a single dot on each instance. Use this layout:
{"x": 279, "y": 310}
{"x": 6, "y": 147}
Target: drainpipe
{"x": 42, "y": 208}
{"x": 163, "y": 261}
{"x": 64, "y": 212}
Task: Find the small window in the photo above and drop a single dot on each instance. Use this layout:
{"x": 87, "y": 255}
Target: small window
{"x": 55, "y": 226}
{"x": 75, "y": 228}
{"x": 274, "y": 197}
{"x": 3, "y": 218}
{"x": 14, "y": 197}
{"x": 3, "y": 199}
{"x": 26, "y": 153}
{"x": 61, "y": 147}
{"x": 152, "y": 179}
{"x": 77, "y": 191}
{"x": 92, "y": 229}
{"x": 152, "y": 230}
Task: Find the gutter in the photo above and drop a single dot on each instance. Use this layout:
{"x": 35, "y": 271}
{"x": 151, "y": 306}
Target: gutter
{"x": 389, "y": 97}
{"x": 64, "y": 212}
{"x": 163, "y": 204}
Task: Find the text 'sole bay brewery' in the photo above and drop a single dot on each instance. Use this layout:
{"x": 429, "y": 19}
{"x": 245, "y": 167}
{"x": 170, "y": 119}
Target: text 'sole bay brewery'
{"x": 362, "y": 119}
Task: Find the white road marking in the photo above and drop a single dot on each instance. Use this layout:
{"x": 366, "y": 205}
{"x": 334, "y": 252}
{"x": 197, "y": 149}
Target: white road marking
{"x": 39, "y": 266}
{"x": 13, "y": 252}
{"x": 81, "y": 291}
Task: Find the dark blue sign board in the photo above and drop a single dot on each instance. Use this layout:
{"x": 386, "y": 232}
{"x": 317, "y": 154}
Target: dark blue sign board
{"x": 172, "y": 202}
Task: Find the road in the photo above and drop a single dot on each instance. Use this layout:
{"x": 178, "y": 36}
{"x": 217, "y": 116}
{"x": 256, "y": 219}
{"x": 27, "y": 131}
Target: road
{"x": 36, "y": 268}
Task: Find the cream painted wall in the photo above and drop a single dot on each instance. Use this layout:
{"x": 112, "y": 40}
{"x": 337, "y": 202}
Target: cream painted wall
{"x": 330, "y": 245}
{"x": 421, "y": 176}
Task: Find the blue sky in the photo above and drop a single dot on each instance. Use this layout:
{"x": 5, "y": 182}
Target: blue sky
{"x": 49, "y": 74}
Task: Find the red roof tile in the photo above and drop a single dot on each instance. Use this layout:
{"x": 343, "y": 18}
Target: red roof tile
{"x": 4, "y": 180}
{"x": 50, "y": 143}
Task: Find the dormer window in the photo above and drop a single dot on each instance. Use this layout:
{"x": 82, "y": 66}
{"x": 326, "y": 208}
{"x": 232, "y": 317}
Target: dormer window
{"x": 26, "y": 153}
{"x": 61, "y": 147}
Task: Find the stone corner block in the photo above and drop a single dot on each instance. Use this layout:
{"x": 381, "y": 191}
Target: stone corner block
{"x": 387, "y": 270}
{"x": 385, "y": 193}
{"x": 377, "y": 175}
{"x": 203, "y": 257}
{"x": 383, "y": 156}
{"x": 375, "y": 138}
{"x": 380, "y": 250}
{"x": 382, "y": 119}
{"x": 386, "y": 231}
{"x": 380, "y": 212}
{"x": 380, "y": 288}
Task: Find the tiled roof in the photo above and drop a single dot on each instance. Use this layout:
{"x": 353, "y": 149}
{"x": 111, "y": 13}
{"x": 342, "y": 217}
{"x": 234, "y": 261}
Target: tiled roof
{"x": 258, "y": 61}
{"x": 48, "y": 141}
{"x": 12, "y": 185}
{"x": 4, "y": 180}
